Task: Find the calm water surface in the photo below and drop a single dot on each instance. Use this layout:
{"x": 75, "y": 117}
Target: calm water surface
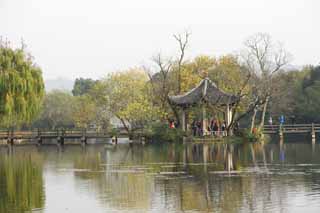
{"x": 167, "y": 178}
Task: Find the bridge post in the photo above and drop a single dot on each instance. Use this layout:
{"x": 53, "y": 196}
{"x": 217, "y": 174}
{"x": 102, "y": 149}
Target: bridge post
{"x": 281, "y": 133}
{"x": 39, "y": 141}
{"x": 60, "y": 138}
{"x": 114, "y": 140}
{"x": 313, "y": 134}
{"x": 83, "y": 138}
{"x": 10, "y": 138}
{"x": 143, "y": 140}
{"x": 39, "y": 138}
{"x": 10, "y": 141}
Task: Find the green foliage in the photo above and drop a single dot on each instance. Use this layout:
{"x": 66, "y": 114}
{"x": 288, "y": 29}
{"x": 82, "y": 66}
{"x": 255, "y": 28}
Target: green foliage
{"x": 82, "y": 86}
{"x": 114, "y": 132}
{"x": 21, "y": 86}
{"x": 62, "y": 110}
{"x": 56, "y": 110}
{"x": 296, "y": 93}
{"x": 307, "y": 97}
{"x": 251, "y": 136}
{"x": 160, "y": 132}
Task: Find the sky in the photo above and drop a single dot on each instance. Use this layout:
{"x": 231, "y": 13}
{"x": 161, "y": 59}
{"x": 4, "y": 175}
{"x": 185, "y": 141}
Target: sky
{"x": 90, "y": 38}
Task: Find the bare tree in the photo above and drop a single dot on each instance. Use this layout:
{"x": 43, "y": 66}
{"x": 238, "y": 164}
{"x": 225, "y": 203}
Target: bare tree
{"x": 264, "y": 58}
{"x": 183, "y": 42}
{"x": 160, "y": 79}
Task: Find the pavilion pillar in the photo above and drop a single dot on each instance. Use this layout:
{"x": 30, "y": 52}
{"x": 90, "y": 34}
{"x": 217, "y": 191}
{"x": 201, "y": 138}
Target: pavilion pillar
{"x": 228, "y": 115}
{"x": 184, "y": 120}
{"x": 204, "y": 120}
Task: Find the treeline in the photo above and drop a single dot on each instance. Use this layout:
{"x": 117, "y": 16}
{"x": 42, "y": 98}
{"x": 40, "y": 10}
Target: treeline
{"x": 298, "y": 95}
{"x": 138, "y": 97}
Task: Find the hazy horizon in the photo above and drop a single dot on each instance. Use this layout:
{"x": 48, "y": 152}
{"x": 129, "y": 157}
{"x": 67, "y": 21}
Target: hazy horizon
{"x": 71, "y": 39}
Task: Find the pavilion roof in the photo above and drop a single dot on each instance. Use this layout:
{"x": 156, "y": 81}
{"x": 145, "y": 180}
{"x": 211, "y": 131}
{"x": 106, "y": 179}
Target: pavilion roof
{"x": 206, "y": 92}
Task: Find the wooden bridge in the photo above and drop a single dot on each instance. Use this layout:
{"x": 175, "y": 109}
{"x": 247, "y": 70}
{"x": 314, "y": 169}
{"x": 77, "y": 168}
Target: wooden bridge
{"x": 59, "y": 135}
{"x": 83, "y": 135}
{"x": 295, "y": 128}
{"x": 311, "y": 129}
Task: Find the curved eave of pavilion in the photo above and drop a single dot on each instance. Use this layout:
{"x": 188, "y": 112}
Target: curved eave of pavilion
{"x": 205, "y": 92}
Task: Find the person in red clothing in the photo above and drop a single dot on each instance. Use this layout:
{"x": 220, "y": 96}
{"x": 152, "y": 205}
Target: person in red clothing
{"x": 171, "y": 125}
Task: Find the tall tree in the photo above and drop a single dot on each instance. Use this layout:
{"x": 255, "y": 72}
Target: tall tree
{"x": 56, "y": 110}
{"x": 306, "y": 97}
{"x": 183, "y": 42}
{"x": 83, "y": 111}
{"x": 82, "y": 86}
{"x": 21, "y": 86}
{"x": 264, "y": 58}
{"x": 167, "y": 79}
{"x": 125, "y": 95}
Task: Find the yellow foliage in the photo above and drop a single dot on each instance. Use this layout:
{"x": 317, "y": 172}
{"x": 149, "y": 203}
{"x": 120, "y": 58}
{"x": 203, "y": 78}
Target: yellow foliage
{"x": 126, "y": 96}
{"x": 84, "y": 111}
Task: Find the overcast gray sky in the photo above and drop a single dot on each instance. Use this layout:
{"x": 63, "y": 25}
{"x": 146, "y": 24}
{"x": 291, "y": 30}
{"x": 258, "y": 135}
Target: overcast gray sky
{"x": 88, "y": 38}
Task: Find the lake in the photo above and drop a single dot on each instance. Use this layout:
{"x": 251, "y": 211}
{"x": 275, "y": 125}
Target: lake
{"x": 161, "y": 178}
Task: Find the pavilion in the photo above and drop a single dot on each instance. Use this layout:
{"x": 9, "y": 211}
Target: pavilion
{"x": 205, "y": 93}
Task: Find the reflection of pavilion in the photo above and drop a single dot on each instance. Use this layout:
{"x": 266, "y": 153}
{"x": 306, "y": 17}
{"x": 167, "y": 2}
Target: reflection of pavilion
{"x": 205, "y": 187}
{"x": 205, "y": 94}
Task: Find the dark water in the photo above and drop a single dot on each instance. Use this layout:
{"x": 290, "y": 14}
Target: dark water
{"x": 167, "y": 178}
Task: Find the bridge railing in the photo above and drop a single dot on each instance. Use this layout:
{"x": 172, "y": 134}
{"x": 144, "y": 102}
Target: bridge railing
{"x": 71, "y": 133}
{"x": 291, "y": 128}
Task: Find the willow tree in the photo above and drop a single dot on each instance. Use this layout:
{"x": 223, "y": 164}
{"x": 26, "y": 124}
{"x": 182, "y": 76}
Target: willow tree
{"x": 21, "y": 86}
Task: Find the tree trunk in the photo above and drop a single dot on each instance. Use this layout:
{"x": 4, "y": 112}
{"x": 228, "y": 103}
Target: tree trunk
{"x": 263, "y": 114}
{"x": 229, "y": 131}
{"x": 175, "y": 112}
{"x": 253, "y": 119}
{"x": 125, "y": 125}
{"x": 179, "y": 80}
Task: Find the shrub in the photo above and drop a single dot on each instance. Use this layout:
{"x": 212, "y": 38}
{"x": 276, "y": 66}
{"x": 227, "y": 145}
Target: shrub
{"x": 160, "y": 132}
{"x": 253, "y": 136}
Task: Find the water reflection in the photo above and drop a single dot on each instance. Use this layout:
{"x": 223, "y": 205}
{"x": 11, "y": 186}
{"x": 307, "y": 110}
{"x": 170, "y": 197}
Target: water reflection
{"x": 21, "y": 183}
{"x": 167, "y": 178}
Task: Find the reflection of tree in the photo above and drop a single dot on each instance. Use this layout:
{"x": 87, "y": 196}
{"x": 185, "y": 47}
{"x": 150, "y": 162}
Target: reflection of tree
{"x": 87, "y": 165}
{"x": 21, "y": 183}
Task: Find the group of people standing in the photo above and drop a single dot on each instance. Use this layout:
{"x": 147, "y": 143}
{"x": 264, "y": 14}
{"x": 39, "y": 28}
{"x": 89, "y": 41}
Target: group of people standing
{"x": 215, "y": 127}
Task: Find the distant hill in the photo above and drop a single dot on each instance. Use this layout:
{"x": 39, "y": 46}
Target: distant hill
{"x": 290, "y": 67}
{"x": 59, "y": 84}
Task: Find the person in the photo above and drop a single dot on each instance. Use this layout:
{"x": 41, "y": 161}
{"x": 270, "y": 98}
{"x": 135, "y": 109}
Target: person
{"x": 194, "y": 128}
{"x": 209, "y": 129}
{"x": 223, "y": 128}
{"x": 172, "y": 125}
{"x": 211, "y": 126}
{"x": 270, "y": 121}
{"x": 216, "y": 128}
{"x": 281, "y": 120}
{"x": 199, "y": 128}
{"x": 293, "y": 119}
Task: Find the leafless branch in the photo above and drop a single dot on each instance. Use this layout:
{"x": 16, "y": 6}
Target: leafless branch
{"x": 183, "y": 42}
